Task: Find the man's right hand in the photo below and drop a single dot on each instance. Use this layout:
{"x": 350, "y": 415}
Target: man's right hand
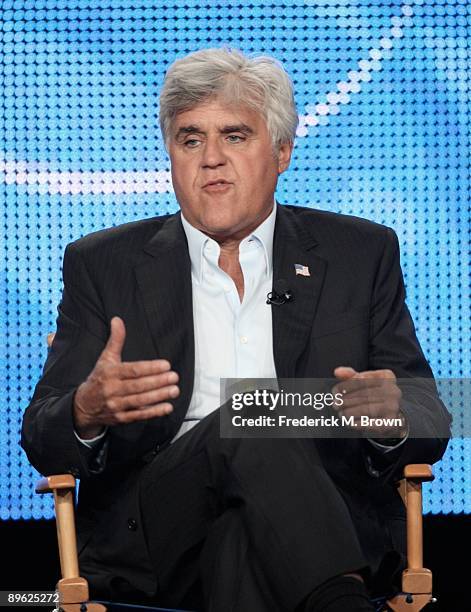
{"x": 122, "y": 392}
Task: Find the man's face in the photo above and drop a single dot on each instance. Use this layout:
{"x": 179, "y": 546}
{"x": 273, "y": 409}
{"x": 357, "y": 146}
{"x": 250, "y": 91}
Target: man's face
{"x": 216, "y": 142}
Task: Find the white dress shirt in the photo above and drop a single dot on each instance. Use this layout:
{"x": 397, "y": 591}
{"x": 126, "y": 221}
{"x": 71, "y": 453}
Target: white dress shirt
{"x": 233, "y": 339}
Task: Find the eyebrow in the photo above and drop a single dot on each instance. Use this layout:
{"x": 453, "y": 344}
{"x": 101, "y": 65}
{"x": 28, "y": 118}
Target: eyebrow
{"x": 227, "y": 129}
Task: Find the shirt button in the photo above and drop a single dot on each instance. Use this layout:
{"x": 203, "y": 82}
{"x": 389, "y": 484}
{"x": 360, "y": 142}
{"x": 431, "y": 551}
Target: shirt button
{"x": 227, "y": 289}
{"x": 244, "y": 339}
{"x": 132, "y": 524}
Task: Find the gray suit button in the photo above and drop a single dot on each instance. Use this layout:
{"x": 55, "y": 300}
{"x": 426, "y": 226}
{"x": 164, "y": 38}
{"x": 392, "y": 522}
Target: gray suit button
{"x": 132, "y": 524}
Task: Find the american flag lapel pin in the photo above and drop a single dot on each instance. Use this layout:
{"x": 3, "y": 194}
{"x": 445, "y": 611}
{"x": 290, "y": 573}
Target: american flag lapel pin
{"x": 303, "y": 270}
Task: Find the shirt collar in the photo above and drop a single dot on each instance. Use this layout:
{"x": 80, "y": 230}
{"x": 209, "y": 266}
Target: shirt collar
{"x": 197, "y": 240}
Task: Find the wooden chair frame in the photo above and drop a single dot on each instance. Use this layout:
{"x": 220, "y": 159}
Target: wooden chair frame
{"x": 73, "y": 589}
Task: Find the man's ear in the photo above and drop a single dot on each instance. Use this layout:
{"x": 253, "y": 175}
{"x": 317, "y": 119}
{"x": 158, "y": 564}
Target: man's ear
{"x": 284, "y": 156}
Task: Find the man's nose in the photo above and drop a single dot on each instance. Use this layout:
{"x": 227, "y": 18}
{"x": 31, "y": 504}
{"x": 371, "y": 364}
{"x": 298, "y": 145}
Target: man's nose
{"x": 213, "y": 153}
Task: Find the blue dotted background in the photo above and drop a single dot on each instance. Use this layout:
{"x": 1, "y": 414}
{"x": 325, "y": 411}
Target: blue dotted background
{"x": 383, "y": 93}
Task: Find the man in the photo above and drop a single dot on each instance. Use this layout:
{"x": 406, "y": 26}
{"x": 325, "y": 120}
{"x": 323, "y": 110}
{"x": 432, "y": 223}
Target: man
{"x": 154, "y": 313}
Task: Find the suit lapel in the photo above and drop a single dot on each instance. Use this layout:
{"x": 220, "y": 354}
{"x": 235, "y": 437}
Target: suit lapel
{"x": 292, "y": 321}
{"x": 164, "y": 281}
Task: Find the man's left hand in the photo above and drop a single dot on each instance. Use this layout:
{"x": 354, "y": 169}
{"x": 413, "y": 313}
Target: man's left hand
{"x": 374, "y": 394}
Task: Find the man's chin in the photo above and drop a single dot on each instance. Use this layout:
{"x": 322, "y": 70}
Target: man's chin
{"x": 219, "y": 230}
{"x": 219, "y": 222}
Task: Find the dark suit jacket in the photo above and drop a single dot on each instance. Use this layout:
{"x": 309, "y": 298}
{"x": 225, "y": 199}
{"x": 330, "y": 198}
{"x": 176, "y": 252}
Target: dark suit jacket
{"x": 350, "y": 311}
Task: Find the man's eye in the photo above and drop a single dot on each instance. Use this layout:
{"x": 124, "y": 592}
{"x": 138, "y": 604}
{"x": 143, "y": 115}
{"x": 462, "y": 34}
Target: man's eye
{"x": 235, "y": 138}
{"x": 191, "y": 143}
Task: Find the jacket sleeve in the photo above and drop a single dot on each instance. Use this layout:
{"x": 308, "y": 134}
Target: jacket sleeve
{"x": 47, "y": 433}
{"x": 393, "y": 345}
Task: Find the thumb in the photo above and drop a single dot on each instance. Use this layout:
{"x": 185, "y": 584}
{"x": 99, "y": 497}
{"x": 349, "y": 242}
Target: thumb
{"x": 114, "y": 346}
{"x": 344, "y": 373}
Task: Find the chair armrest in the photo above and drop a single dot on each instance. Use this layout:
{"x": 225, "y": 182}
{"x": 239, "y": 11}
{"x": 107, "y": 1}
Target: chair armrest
{"x": 72, "y": 588}
{"x": 51, "y": 483}
{"x": 63, "y": 488}
{"x": 414, "y": 473}
{"x": 416, "y": 579}
{"x": 419, "y": 471}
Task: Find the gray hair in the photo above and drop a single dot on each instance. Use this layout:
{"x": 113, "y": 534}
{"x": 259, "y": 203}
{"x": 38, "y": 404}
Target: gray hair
{"x": 259, "y": 82}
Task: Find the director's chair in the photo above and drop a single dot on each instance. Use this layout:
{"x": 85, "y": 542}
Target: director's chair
{"x": 73, "y": 589}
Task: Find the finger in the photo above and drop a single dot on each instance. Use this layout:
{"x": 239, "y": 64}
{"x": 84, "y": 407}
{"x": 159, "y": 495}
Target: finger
{"x": 382, "y": 374}
{"x": 374, "y": 411}
{"x": 148, "y": 367}
{"x": 357, "y": 384}
{"x": 356, "y": 400}
{"x": 114, "y": 346}
{"x": 131, "y": 402}
{"x": 141, "y": 384}
{"x": 150, "y": 412}
{"x": 370, "y": 396}
{"x": 344, "y": 372}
